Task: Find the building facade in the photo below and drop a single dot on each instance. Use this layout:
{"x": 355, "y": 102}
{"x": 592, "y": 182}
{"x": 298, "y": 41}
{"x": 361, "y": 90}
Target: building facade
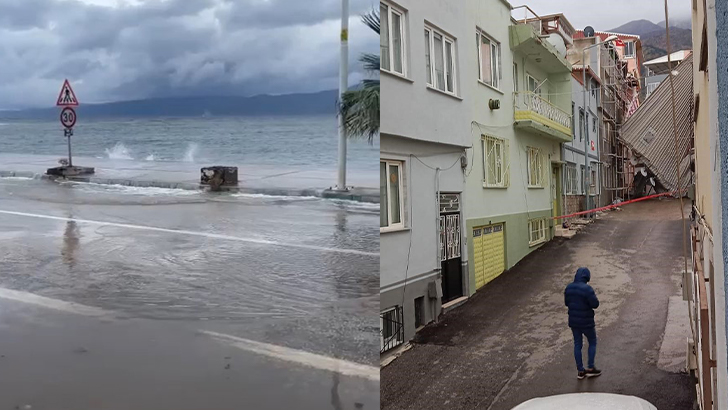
{"x": 704, "y": 285}
{"x": 520, "y": 114}
{"x": 424, "y": 132}
{"x": 581, "y": 155}
{"x": 619, "y": 65}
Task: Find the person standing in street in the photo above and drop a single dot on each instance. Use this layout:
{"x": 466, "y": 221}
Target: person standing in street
{"x": 581, "y": 300}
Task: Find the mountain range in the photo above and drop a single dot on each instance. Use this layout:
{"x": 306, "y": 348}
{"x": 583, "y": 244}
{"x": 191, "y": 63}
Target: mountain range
{"x": 654, "y": 39}
{"x": 323, "y": 102}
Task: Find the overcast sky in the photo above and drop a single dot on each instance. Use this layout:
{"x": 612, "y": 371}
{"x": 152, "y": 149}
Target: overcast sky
{"x": 126, "y": 49}
{"x": 604, "y": 15}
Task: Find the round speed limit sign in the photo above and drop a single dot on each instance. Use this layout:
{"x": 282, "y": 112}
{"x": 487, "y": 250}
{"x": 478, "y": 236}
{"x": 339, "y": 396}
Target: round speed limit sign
{"x": 68, "y": 117}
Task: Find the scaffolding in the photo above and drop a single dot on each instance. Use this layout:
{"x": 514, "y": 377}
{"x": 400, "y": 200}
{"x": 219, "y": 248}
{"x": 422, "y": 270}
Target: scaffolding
{"x": 617, "y": 92}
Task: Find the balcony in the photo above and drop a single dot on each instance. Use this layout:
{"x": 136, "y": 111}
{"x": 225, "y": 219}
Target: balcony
{"x": 534, "y": 113}
{"x": 526, "y": 40}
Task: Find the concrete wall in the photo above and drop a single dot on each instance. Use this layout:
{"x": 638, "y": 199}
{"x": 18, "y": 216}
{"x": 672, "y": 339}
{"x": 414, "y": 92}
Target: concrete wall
{"x": 411, "y": 254}
{"x": 426, "y": 129}
{"x": 408, "y": 106}
{"x": 718, "y": 106}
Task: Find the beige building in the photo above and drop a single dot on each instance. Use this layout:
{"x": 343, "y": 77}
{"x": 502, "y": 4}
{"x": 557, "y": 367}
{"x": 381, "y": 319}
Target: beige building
{"x": 704, "y": 285}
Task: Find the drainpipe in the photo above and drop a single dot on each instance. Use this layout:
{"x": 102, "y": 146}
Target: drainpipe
{"x": 437, "y": 221}
{"x": 563, "y": 177}
{"x": 584, "y": 129}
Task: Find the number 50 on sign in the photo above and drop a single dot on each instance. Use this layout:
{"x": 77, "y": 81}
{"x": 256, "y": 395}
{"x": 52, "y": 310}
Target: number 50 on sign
{"x": 68, "y": 117}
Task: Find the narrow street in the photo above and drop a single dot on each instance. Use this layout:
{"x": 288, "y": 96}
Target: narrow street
{"x": 511, "y": 342}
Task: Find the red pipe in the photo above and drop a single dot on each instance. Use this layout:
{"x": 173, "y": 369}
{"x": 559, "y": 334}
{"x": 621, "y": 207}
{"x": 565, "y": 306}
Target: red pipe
{"x": 591, "y": 211}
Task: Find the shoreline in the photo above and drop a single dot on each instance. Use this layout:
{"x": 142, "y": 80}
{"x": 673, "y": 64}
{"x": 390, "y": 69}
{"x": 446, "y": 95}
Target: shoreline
{"x": 357, "y": 194}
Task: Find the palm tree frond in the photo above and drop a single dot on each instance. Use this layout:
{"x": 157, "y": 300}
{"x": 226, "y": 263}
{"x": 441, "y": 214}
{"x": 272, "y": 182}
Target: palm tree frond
{"x": 370, "y": 61}
{"x": 360, "y": 109}
{"x": 371, "y": 19}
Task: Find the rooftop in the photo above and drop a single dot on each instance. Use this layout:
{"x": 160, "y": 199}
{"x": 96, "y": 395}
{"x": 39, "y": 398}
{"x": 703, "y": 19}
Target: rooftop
{"x": 659, "y": 64}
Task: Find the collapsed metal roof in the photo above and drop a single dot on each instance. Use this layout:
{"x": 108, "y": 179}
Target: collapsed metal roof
{"x": 649, "y": 133}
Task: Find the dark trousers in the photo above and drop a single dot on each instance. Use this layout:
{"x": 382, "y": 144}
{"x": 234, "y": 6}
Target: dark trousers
{"x": 591, "y": 336}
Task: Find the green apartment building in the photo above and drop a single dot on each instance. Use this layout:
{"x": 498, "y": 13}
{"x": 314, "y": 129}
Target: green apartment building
{"x": 521, "y": 113}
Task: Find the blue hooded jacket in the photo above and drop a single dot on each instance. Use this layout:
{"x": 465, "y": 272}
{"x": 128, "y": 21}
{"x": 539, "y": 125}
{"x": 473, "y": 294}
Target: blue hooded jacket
{"x": 581, "y": 300}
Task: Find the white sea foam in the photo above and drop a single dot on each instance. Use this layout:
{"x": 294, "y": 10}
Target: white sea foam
{"x": 191, "y": 152}
{"x": 133, "y": 190}
{"x": 119, "y": 151}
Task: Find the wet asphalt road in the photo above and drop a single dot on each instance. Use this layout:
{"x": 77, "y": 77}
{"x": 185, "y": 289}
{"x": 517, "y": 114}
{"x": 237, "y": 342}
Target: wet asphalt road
{"x": 296, "y": 272}
{"x": 511, "y": 342}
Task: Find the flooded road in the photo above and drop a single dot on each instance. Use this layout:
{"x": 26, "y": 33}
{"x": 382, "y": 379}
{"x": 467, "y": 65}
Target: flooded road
{"x": 295, "y": 272}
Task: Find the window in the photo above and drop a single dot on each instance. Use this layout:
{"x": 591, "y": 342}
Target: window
{"x": 593, "y": 182}
{"x": 391, "y": 328}
{"x": 581, "y": 124}
{"x": 572, "y": 180}
{"x": 419, "y": 312}
{"x": 651, "y": 88}
{"x": 391, "y": 41}
{"x": 629, "y": 49}
{"x": 515, "y": 77}
{"x": 390, "y": 194}
{"x": 488, "y": 59}
{"x": 537, "y": 231}
{"x": 496, "y": 164}
{"x": 440, "y": 58}
{"x": 594, "y": 125}
{"x": 535, "y": 168}
{"x": 533, "y": 85}
{"x": 583, "y": 181}
{"x": 573, "y": 134}
{"x": 586, "y": 127}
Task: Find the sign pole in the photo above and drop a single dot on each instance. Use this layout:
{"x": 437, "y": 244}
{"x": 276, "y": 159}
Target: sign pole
{"x": 69, "y": 132}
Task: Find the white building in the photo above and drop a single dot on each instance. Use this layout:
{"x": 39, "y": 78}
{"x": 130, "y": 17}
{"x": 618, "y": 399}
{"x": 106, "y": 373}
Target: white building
{"x": 424, "y": 133}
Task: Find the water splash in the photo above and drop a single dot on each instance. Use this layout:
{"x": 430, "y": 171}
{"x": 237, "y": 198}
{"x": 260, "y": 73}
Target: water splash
{"x": 150, "y": 157}
{"x": 191, "y": 152}
{"x": 119, "y": 151}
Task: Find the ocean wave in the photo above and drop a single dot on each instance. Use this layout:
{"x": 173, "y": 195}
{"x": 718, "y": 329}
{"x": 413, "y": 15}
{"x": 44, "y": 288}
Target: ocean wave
{"x": 119, "y": 151}
{"x": 132, "y": 190}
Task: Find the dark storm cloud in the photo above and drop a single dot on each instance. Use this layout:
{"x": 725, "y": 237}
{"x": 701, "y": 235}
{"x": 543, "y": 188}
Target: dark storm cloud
{"x": 117, "y": 49}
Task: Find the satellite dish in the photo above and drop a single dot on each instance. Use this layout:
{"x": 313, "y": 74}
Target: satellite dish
{"x": 589, "y": 31}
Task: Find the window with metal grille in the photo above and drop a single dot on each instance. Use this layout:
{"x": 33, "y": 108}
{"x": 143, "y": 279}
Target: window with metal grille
{"x": 496, "y": 164}
{"x": 391, "y": 328}
{"x": 535, "y": 168}
{"x": 537, "y": 231}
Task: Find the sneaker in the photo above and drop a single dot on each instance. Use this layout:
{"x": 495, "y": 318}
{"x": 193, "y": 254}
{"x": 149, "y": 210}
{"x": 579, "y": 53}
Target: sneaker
{"x": 581, "y": 375}
{"x": 593, "y": 372}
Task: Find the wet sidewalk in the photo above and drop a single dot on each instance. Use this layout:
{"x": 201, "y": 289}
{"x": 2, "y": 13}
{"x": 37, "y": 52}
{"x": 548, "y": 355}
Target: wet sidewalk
{"x": 511, "y": 341}
{"x": 254, "y": 179}
{"x": 63, "y": 360}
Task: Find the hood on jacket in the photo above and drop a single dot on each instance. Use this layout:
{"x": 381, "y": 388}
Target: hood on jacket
{"x": 582, "y": 275}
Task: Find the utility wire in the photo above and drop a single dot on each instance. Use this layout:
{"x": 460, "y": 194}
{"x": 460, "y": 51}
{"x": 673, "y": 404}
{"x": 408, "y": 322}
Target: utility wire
{"x": 674, "y": 131}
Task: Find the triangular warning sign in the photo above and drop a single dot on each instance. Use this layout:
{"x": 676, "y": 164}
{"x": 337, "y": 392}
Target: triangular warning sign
{"x": 67, "y": 96}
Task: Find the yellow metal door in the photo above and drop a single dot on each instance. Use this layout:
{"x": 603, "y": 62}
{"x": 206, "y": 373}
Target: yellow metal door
{"x": 488, "y": 253}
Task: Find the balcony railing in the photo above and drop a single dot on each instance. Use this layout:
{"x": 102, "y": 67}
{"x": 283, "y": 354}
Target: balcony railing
{"x": 528, "y": 103}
